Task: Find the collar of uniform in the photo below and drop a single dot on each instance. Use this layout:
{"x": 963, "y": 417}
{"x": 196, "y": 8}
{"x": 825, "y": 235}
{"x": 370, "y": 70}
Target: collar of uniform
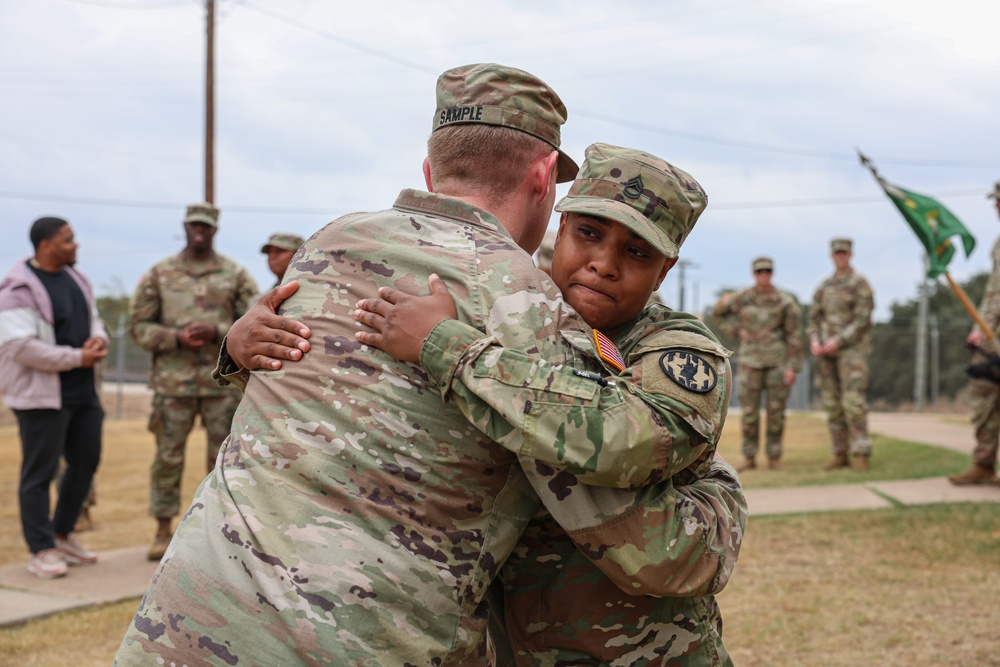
{"x": 431, "y": 203}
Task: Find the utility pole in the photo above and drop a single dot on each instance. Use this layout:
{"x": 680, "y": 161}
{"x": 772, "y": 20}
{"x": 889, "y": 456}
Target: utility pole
{"x": 210, "y": 103}
{"x": 920, "y": 365}
{"x": 680, "y": 266}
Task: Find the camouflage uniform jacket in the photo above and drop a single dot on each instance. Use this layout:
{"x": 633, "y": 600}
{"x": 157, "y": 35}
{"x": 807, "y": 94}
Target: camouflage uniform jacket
{"x": 171, "y": 295}
{"x": 356, "y": 518}
{"x": 989, "y": 308}
{"x": 564, "y": 601}
{"x": 771, "y": 322}
{"x": 842, "y": 310}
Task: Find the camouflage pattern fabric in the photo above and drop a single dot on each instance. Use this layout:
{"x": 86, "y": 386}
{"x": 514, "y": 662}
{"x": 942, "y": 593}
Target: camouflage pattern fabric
{"x": 171, "y": 421}
{"x": 591, "y": 551}
{"x": 518, "y": 398}
{"x": 175, "y": 293}
{"x": 984, "y": 398}
{"x": 843, "y": 383}
{"x": 751, "y": 385}
{"x": 768, "y": 324}
{"x": 558, "y": 609}
{"x": 842, "y": 311}
{"x": 355, "y": 518}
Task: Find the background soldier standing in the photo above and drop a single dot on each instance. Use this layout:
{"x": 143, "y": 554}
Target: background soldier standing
{"x": 182, "y": 308}
{"x": 768, "y": 323}
{"x": 280, "y": 249}
{"x": 839, "y": 321}
{"x": 985, "y": 398}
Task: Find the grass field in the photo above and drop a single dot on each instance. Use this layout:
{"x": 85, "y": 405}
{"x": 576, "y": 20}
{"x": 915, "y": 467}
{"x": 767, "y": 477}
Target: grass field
{"x": 914, "y": 585}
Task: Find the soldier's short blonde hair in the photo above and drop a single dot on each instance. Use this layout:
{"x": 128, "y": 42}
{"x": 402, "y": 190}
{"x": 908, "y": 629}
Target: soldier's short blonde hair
{"x": 485, "y": 158}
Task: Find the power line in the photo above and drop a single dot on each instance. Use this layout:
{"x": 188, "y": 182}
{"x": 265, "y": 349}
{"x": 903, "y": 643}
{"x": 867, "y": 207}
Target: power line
{"x": 339, "y": 40}
{"x": 280, "y": 210}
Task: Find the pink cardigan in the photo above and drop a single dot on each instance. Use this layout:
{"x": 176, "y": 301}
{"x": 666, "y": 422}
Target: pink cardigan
{"x": 30, "y": 360}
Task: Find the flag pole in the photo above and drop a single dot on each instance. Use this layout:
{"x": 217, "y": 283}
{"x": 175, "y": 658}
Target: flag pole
{"x": 971, "y": 308}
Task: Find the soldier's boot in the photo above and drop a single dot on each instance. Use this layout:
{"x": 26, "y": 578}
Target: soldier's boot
{"x": 860, "y": 464}
{"x": 774, "y": 463}
{"x": 749, "y": 463}
{"x": 162, "y": 539}
{"x": 84, "y": 522}
{"x": 839, "y": 461}
{"x": 977, "y": 474}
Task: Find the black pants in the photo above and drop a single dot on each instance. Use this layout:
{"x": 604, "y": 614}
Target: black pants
{"x": 74, "y": 432}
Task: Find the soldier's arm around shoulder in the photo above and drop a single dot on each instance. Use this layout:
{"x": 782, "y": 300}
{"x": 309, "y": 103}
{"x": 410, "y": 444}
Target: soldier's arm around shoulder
{"x": 604, "y": 429}
{"x": 144, "y": 316}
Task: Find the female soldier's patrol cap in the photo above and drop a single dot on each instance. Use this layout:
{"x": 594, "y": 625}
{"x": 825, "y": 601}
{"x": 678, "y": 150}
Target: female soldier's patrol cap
{"x": 283, "y": 241}
{"x": 202, "y": 212}
{"x": 763, "y": 264}
{"x": 491, "y": 94}
{"x": 650, "y": 196}
{"x": 840, "y": 245}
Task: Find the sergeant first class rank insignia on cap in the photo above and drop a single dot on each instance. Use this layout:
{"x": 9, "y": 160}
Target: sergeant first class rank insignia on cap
{"x": 689, "y": 370}
{"x": 608, "y": 352}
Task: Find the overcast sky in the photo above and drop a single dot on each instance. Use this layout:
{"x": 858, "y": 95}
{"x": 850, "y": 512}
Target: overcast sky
{"x": 323, "y": 108}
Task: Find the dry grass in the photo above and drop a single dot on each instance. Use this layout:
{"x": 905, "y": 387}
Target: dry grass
{"x": 894, "y": 587}
{"x": 122, "y": 481}
{"x": 911, "y": 586}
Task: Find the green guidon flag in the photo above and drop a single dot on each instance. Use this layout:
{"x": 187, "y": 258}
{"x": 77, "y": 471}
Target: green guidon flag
{"x": 933, "y": 224}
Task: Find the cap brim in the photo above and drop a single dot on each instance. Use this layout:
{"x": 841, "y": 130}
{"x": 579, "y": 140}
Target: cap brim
{"x": 566, "y": 169}
{"x": 623, "y": 213}
{"x": 208, "y": 220}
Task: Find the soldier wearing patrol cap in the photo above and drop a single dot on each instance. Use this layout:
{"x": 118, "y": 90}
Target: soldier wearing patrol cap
{"x": 985, "y": 394}
{"x": 350, "y": 491}
{"x": 279, "y": 249}
{"x": 623, "y": 222}
{"x": 182, "y": 308}
{"x": 768, "y": 324}
{"x": 839, "y": 322}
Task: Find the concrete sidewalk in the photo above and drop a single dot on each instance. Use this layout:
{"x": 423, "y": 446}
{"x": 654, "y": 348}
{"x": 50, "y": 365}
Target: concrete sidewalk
{"x": 124, "y": 573}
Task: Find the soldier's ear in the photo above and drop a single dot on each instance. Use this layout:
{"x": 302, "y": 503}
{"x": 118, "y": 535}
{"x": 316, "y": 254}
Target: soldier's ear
{"x": 427, "y": 174}
{"x": 667, "y": 265}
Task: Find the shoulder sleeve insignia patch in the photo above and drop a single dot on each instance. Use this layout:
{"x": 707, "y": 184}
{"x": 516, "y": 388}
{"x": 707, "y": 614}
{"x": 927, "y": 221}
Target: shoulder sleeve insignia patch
{"x": 687, "y": 369}
{"x": 608, "y": 352}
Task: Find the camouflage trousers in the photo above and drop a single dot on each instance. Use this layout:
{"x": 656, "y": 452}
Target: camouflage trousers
{"x": 750, "y": 384}
{"x": 171, "y": 422}
{"x": 984, "y": 397}
{"x": 843, "y": 383}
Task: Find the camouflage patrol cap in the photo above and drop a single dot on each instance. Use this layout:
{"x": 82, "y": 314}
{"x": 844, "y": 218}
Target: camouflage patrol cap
{"x": 202, "y": 212}
{"x": 546, "y": 251}
{"x": 996, "y": 192}
{"x": 650, "y": 196}
{"x": 283, "y": 241}
{"x": 492, "y": 94}
{"x": 840, "y": 245}
{"x": 763, "y": 263}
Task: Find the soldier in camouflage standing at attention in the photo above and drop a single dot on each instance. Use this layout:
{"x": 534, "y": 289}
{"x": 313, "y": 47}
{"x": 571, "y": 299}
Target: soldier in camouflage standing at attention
{"x": 181, "y": 310}
{"x": 768, "y": 324}
{"x": 839, "y": 321}
{"x": 985, "y": 394}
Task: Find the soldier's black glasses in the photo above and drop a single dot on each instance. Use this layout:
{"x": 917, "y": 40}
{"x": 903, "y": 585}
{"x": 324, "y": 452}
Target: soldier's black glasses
{"x": 762, "y": 271}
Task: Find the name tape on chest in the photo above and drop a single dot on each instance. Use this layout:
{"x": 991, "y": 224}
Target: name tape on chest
{"x": 688, "y": 370}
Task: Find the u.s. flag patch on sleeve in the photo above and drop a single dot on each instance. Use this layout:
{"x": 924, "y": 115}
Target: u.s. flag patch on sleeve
{"x": 608, "y": 352}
